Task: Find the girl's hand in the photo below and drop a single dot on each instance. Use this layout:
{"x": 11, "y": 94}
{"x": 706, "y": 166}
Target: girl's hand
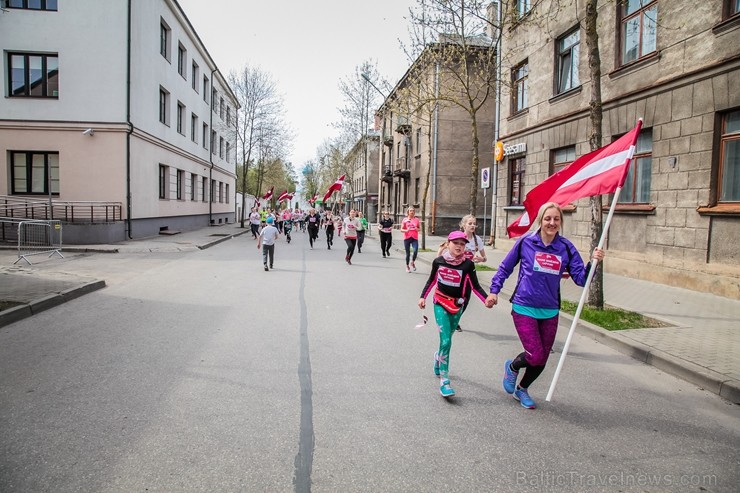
{"x": 598, "y": 254}
{"x": 422, "y": 303}
{"x": 491, "y": 300}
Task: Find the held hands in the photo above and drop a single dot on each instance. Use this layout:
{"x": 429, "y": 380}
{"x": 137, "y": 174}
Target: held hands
{"x": 491, "y": 300}
{"x": 422, "y": 303}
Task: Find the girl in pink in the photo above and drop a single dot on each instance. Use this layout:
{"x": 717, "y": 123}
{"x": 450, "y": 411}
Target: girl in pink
{"x": 410, "y": 228}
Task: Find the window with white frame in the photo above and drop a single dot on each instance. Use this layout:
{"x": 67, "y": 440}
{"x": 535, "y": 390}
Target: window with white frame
{"x": 195, "y": 76}
{"x": 31, "y": 4}
{"x": 519, "y": 87}
{"x": 194, "y": 127}
{"x": 562, "y": 157}
{"x": 568, "y": 48}
{"x": 33, "y": 75}
{"x": 639, "y": 28}
{"x": 205, "y": 136}
{"x": 164, "y": 105}
{"x": 636, "y": 189}
{"x": 33, "y": 172}
{"x": 729, "y": 162}
{"x": 205, "y": 89}
{"x": 221, "y": 147}
{"x": 182, "y": 60}
{"x": 165, "y": 39}
{"x": 213, "y": 142}
{"x": 164, "y": 181}
{"x": 181, "y": 118}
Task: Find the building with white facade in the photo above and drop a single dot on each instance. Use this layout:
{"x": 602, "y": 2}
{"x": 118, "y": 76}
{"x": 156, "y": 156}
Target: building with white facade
{"x": 116, "y": 102}
{"x": 676, "y": 65}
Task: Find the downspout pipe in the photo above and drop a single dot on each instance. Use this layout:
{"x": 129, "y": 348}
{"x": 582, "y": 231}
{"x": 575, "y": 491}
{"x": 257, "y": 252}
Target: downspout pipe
{"x": 496, "y": 130}
{"x": 130, "y": 126}
{"x": 434, "y": 152}
{"x": 210, "y": 155}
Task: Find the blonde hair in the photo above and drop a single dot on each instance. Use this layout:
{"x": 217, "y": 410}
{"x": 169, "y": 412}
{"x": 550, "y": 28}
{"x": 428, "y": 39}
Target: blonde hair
{"x": 541, "y": 213}
{"x": 465, "y": 219}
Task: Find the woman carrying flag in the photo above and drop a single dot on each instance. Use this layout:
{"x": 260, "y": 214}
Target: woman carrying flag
{"x": 543, "y": 257}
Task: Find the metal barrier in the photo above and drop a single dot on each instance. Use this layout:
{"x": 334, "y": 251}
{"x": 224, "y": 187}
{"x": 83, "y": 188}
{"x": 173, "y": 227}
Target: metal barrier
{"x": 39, "y": 237}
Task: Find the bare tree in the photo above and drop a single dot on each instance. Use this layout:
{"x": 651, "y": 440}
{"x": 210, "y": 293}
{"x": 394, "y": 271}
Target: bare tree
{"x": 260, "y": 114}
{"x": 465, "y": 53}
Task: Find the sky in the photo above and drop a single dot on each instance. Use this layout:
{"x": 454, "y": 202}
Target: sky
{"x": 307, "y": 48}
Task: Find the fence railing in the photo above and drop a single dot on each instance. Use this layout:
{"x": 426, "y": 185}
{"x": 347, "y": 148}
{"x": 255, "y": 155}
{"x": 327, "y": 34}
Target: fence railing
{"x": 67, "y": 211}
{"x": 32, "y": 237}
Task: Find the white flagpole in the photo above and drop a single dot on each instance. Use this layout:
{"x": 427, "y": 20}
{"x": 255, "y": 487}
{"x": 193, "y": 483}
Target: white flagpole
{"x": 577, "y": 316}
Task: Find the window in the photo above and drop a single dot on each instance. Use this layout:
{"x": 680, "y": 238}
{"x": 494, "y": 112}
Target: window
{"x": 180, "y": 118}
{"x": 221, "y": 109}
{"x": 228, "y": 116}
{"x": 214, "y": 98}
{"x": 182, "y": 57}
{"x": 516, "y": 167}
{"x": 213, "y": 142}
{"x": 194, "y": 73}
{"x": 522, "y": 7}
{"x": 164, "y": 177}
{"x": 180, "y": 183}
{"x": 221, "y": 147}
{"x": 227, "y": 193}
{"x": 31, "y": 172}
{"x": 203, "y": 189}
{"x": 562, "y": 157}
{"x": 567, "y": 59}
{"x": 213, "y": 191}
{"x": 205, "y": 136}
{"x": 519, "y": 87}
{"x": 194, "y": 127}
{"x": 639, "y": 28}
{"x": 33, "y": 75}
{"x": 165, "y": 37}
{"x": 193, "y": 187}
{"x": 32, "y": 4}
{"x": 732, "y": 8}
{"x": 205, "y": 89}
{"x": 164, "y": 106}
{"x": 729, "y": 171}
{"x": 228, "y": 151}
{"x": 636, "y": 188}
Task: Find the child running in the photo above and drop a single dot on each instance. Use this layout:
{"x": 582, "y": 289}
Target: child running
{"x": 455, "y": 280}
{"x": 268, "y": 236}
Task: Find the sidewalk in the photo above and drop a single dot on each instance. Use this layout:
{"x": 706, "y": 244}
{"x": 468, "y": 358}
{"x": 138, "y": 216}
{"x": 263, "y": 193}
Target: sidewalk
{"x": 701, "y": 345}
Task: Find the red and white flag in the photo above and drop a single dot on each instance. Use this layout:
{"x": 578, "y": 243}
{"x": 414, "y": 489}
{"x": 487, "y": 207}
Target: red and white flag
{"x": 283, "y": 196}
{"x": 268, "y": 195}
{"x": 313, "y": 199}
{"x": 334, "y": 188}
{"x": 598, "y": 172}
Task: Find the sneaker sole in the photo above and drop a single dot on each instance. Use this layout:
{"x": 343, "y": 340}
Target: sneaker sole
{"x": 522, "y": 404}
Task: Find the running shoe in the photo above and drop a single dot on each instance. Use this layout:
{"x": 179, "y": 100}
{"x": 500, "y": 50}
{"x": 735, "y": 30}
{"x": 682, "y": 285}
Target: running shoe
{"x": 413, "y": 266}
{"x": 509, "y": 378}
{"x": 266, "y": 269}
{"x": 446, "y": 390}
{"x": 458, "y": 328}
{"x": 408, "y": 269}
{"x": 436, "y": 363}
{"x": 523, "y": 397}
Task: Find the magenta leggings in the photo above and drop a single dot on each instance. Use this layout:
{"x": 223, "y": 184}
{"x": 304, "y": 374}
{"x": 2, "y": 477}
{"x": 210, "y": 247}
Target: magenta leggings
{"x": 537, "y": 336}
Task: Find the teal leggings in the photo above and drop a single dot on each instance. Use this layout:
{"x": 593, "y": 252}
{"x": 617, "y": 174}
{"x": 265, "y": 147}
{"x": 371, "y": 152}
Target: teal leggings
{"x": 447, "y": 322}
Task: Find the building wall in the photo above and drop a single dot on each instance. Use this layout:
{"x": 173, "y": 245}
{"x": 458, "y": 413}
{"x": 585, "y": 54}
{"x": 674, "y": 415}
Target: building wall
{"x": 678, "y": 92}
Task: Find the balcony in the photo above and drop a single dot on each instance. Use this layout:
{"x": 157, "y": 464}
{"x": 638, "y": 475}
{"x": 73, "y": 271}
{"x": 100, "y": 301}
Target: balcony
{"x": 403, "y": 125}
{"x": 387, "y": 175}
{"x": 402, "y": 168}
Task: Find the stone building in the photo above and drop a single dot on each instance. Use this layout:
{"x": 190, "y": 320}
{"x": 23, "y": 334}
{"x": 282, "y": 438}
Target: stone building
{"x": 116, "y": 103}
{"x": 426, "y": 157}
{"x": 676, "y": 65}
{"x": 361, "y": 186}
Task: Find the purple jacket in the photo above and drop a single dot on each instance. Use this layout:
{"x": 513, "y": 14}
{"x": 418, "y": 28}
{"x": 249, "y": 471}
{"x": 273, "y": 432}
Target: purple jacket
{"x": 540, "y": 270}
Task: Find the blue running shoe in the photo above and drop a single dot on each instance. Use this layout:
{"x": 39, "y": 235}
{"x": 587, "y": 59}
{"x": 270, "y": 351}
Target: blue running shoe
{"x": 509, "y": 377}
{"x": 445, "y": 389}
{"x": 436, "y": 364}
{"x": 523, "y": 397}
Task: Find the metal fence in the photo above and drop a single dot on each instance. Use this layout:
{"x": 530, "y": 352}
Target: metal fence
{"x": 37, "y": 237}
{"x": 77, "y": 211}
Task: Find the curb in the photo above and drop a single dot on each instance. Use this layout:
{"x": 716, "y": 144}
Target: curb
{"x": 20, "y": 312}
{"x": 704, "y": 378}
{"x": 221, "y": 240}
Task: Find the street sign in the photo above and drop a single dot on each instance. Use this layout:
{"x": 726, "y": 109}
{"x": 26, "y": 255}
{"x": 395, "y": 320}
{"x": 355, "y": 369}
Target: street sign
{"x": 485, "y": 178}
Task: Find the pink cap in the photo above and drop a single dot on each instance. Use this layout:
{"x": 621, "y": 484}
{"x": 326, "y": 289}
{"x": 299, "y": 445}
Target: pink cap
{"x": 457, "y": 235}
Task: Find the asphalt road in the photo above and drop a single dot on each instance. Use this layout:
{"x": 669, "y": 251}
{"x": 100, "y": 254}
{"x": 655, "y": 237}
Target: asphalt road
{"x": 198, "y": 371}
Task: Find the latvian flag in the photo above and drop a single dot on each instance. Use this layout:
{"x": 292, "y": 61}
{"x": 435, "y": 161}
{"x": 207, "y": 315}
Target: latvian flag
{"x": 313, "y": 199}
{"x": 334, "y": 188}
{"x": 598, "y": 172}
{"x": 283, "y": 196}
{"x": 268, "y": 195}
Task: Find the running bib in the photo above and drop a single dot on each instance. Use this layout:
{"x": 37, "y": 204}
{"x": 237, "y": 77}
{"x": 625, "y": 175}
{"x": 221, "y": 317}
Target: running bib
{"x": 450, "y": 277}
{"x": 547, "y": 263}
